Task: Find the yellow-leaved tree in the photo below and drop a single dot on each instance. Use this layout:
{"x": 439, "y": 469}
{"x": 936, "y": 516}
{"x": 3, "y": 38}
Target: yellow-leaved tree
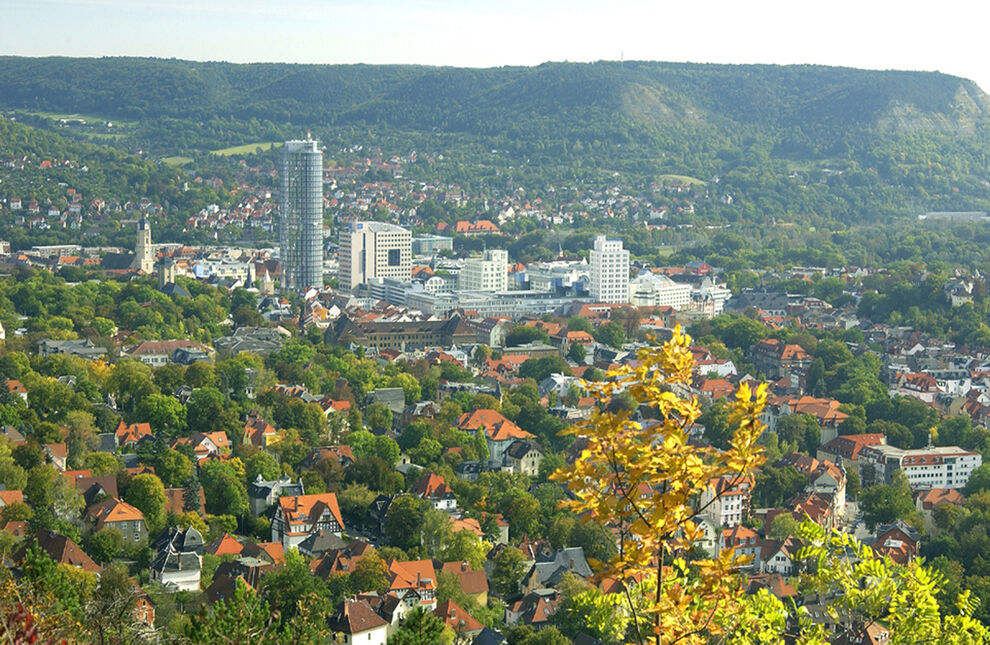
{"x": 644, "y": 480}
{"x": 649, "y": 484}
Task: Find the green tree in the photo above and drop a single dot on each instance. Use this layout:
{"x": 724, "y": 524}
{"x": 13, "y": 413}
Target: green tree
{"x": 378, "y": 417}
{"x": 208, "y": 410}
{"x": 163, "y": 412}
{"x": 577, "y": 353}
{"x": 147, "y": 494}
{"x": 261, "y": 463}
{"x": 244, "y": 618}
{"x": 884, "y": 503}
{"x": 421, "y": 627}
{"x": 173, "y": 468}
{"x": 508, "y": 569}
{"x": 611, "y": 334}
{"x": 369, "y": 574}
{"x": 404, "y": 521}
{"x": 225, "y": 493}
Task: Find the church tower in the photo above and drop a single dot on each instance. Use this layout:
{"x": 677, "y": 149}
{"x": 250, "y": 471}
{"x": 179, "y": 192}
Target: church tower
{"x": 166, "y": 272}
{"x": 144, "y": 256}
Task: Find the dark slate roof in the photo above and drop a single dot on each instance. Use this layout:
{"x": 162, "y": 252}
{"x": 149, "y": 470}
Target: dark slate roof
{"x": 488, "y": 636}
{"x": 117, "y": 261}
{"x": 320, "y": 542}
{"x": 172, "y": 289}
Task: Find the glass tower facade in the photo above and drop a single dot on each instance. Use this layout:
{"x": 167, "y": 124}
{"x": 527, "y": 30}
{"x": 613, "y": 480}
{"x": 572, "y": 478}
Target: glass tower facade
{"x": 301, "y": 229}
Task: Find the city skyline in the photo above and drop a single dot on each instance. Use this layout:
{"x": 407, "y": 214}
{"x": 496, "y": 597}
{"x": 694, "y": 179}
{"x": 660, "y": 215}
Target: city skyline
{"x": 475, "y": 34}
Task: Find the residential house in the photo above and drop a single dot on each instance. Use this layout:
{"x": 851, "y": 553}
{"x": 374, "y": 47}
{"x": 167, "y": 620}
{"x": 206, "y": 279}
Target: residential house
{"x": 464, "y": 626}
{"x": 474, "y": 583}
{"x": 60, "y": 549}
{"x": 8, "y": 497}
{"x": 359, "y": 624}
{"x": 775, "y": 358}
{"x": 726, "y": 500}
{"x": 262, "y": 494}
{"x": 845, "y": 449}
{"x": 778, "y": 556}
{"x": 119, "y": 515}
{"x": 128, "y": 435}
{"x": 535, "y": 609}
{"x": 524, "y": 457}
{"x": 927, "y": 501}
{"x": 548, "y": 573}
{"x": 499, "y": 432}
{"x": 16, "y": 387}
{"x": 178, "y": 560}
{"x": 159, "y": 352}
{"x": 210, "y": 443}
{"x": 413, "y": 582}
{"x": 898, "y": 540}
{"x": 297, "y": 516}
{"x": 745, "y": 541}
{"x": 435, "y": 490}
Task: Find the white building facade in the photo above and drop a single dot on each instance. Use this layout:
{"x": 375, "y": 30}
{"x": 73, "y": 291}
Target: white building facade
{"x": 374, "y": 250}
{"x": 609, "y": 273}
{"x": 488, "y": 273}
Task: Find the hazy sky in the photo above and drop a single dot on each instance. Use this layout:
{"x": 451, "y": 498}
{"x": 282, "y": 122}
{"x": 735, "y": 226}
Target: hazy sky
{"x": 949, "y": 36}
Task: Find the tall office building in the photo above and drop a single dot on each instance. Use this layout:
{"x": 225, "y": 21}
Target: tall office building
{"x": 490, "y": 272}
{"x": 301, "y": 230}
{"x": 609, "y": 270}
{"x": 374, "y": 250}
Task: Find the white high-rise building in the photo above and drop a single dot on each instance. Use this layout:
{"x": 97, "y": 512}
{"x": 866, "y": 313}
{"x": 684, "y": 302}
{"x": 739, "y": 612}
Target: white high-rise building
{"x": 490, "y": 272}
{"x": 609, "y": 271}
{"x": 301, "y": 226}
{"x": 374, "y": 250}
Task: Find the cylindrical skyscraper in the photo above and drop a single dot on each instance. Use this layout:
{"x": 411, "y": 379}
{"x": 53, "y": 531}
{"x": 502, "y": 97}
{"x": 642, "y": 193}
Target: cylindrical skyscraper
{"x": 301, "y": 231}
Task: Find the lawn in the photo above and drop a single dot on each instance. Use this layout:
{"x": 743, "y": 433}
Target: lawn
{"x": 176, "y": 162}
{"x": 681, "y": 179}
{"x": 247, "y": 148}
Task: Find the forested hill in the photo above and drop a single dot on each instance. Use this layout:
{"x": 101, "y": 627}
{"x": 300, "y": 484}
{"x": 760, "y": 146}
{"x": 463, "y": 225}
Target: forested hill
{"x": 773, "y": 141}
{"x": 482, "y": 101}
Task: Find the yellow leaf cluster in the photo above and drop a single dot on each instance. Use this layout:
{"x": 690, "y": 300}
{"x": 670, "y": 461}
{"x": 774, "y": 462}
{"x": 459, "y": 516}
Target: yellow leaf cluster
{"x": 644, "y": 481}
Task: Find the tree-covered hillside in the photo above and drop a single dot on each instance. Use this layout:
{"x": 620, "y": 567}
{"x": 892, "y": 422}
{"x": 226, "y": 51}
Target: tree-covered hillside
{"x": 781, "y": 141}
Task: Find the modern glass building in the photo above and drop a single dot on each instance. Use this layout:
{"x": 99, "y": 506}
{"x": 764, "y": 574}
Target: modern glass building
{"x": 301, "y": 230}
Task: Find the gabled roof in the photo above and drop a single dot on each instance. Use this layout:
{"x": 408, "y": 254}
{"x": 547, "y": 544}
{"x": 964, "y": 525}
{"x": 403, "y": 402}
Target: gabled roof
{"x": 496, "y": 426}
{"x": 302, "y": 512}
{"x": 62, "y": 550}
{"x": 112, "y": 510}
{"x": 225, "y": 545}
{"x": 355, "y": 617}
{"x": 431, "y": 486}
{"x": 931, "y": 498}
{"x": 455, "y": 617}
{"x": 412, "y": 574}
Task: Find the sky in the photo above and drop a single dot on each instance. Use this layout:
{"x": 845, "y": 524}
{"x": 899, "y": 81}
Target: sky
{"x": 948, "y": 36}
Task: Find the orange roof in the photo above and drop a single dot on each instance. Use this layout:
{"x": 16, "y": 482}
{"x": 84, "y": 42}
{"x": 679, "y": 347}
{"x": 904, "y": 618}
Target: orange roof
{"x": 132, "y": 433}
{"x": 11, "y": 496}
{"x": 496, "y": 426}
{"x": 412, "y": 574}
{"x": 430, "y": 486}
{"x": 113, "y": 510}
{"x": 466, "y": 524}
{"x": 302, "y": 512}
{"x": 932, "y": 498}
{"x": 16, "y": 387}
{"x": 225, "y": 545}
{"x": 456, "y": 617}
